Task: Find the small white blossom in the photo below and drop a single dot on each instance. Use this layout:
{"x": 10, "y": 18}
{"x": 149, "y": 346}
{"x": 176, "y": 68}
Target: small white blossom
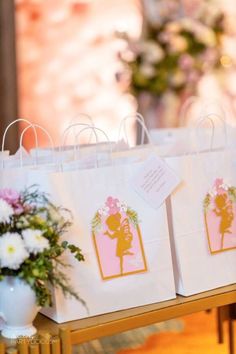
{"x": 103, "y": 211}
{"x": 6, "y": 211}
{"x": 12, "y": 251}
{"x": 54, "y": 215}
{"x": 224, "y": 186}
{"x": 178, "y": 44}
{"x": 152, "y": 52}
{"x": 147, "y": 70}
{"x": 35, "y": 242}
{"x": 213, "y": 192}
{"x": 122, "y": 206}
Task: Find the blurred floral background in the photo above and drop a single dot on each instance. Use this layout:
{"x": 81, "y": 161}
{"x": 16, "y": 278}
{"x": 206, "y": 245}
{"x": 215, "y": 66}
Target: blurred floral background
{"x": 108, "y": 58}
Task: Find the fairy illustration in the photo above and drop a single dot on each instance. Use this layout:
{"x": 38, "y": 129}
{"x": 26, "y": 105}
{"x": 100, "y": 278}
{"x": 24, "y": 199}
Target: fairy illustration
{"x": 121, "y": 231}
{"x": 224, "y": 209}
{"x": 118, "y": 240}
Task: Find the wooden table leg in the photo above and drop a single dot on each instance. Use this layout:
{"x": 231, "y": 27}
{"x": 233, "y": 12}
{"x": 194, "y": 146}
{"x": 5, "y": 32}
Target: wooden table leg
{"x": 231, "y": 336}
{"x": 220, "y": 332}
{"x": 232, "y": 317}
{"x": 65, "y": 335}
{"x": 2, "y": 348}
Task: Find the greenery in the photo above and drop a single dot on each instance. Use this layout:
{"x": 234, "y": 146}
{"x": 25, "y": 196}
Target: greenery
{"x": 133, "y": 216}
{"x": 96, "y": 222}
{"x": 232, "y": 194}
{"x": 207, "y": 202}
{"x": 173, "y": 54}
{"x": 97, "y": 219}
{"x": 38, "y": 225}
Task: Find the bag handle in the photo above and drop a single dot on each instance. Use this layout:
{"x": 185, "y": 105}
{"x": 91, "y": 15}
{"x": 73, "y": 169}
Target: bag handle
{"x": 95, "y": 130}
{"x": 210, "y": 119}
{"x": 200, "y": 158}
{"x": 203, "y": 112}
{"x": 65, "y": 135}
{"x": 49, "y": 139}
{"x": 66, "y": 131}
{"x": 76, "y": 120}
{"x": 7, "y": 129}
{"x": 14, "y": 122}
{"x": 139, "y": 118}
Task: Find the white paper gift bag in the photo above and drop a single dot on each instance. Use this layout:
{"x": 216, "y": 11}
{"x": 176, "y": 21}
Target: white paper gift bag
{"x": 125, "y": 241}
{"x": 202, "y": 221}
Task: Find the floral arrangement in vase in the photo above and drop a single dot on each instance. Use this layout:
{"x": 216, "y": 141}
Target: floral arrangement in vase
{"x": 174, "y": 52}
{"x": 31, "y": 246}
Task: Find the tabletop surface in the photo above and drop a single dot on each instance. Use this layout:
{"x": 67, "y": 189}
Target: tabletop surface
{"x": 120, "y": 321}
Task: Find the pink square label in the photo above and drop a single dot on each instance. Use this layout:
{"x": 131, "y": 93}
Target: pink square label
{"x": 220, "y": 220}
{"x": 118, "y": 241}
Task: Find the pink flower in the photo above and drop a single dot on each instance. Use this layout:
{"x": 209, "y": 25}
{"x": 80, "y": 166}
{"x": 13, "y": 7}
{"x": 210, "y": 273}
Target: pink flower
{"x": 219, "y": 182}
{"x": 10, "y": 196}
{"x": 193, "y": 76}
{"x": 18, "y": 209}
{"x": 186, "y": 62}
{"x": 164, "y": 37}
{"x": 112, "y": 204}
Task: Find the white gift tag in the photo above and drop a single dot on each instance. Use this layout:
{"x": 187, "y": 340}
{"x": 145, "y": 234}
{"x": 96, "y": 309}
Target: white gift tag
{"x": 155, "y": 181}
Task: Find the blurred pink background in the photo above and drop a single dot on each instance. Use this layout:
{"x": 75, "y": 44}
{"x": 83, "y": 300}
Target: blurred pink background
{"x": 67, "y": 61}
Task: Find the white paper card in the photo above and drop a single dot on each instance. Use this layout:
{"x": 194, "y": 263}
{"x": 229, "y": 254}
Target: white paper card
{"x": 155, "y": 181}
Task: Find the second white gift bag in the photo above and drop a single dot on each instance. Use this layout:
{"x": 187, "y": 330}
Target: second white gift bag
{"x": 124, "y": 240}
{"x": 202, "y": 221}
{"x": 125, "y": 243}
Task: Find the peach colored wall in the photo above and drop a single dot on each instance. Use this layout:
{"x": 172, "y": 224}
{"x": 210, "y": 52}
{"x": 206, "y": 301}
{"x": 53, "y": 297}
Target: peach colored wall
{"x": 67, "y": 61}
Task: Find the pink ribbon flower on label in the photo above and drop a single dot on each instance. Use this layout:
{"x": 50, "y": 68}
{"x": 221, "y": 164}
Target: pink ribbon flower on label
{"x": 112, "y": 204}
{"x": 220, "y": 187}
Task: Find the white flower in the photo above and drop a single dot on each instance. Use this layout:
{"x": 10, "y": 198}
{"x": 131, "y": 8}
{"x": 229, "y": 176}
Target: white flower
{"x": 12, "y": 251}
{"x": 213, "y": 192}
{"x": 206, "y": 35}
{"x": 103, "y": 211}
{"x": 178, "y": 44}
{"x": 6, "y": 211}
{"x": 147, "y": 70}
{"x": 224, "y": 186}
{"x": 35, "y": 242}
{"x": 122, "y": 206}
{"x": 152, "y": 52}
